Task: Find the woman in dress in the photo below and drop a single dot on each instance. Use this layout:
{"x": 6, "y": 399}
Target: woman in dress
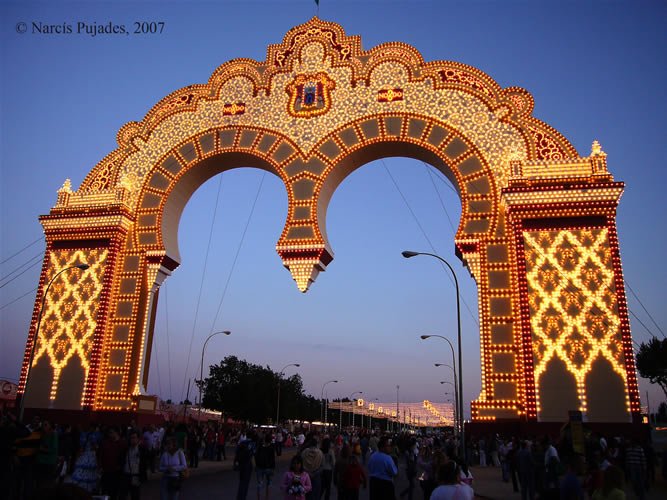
{"x": 86, "y": 473}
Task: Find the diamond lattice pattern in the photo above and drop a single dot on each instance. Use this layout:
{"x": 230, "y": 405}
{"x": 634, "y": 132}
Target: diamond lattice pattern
{"x": 572, "y": 298}
{"x": 70, "y": 310}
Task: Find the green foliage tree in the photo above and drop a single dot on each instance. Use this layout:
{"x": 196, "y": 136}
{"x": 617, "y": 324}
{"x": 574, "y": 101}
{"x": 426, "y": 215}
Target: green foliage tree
{"x": 249, "y": 392}
{"x": 652, "y": 362}
{"x": 662, "y": 412}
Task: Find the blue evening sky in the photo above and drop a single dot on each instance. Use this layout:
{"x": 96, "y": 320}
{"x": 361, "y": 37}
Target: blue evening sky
{"x": 596, "y": 69}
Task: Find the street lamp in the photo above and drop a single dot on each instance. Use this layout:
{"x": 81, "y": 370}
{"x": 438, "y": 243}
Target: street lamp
{"x": 201, "y": 367}
{"x": 280, "y": 374}
{"x": 322, "y": 409}
{"x": 456, "y": 406}
{"x": 408, "y": 254}
{"x": 370, "y": 415}
{"x": 451, "y": 367}
{"x": 351, "y": 399}
{"x": 81, "y": 267}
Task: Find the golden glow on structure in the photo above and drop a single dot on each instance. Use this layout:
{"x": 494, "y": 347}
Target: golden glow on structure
{"x": 573, "y": 302}
{"x": 70, "y": 310}
{"x": 315, "y": 109}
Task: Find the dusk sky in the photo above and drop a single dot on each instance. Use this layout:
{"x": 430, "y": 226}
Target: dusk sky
{"x": 597, "y": 70}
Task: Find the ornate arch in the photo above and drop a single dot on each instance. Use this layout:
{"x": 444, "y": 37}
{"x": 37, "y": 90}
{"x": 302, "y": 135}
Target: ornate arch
{"x": 315, "y": 109}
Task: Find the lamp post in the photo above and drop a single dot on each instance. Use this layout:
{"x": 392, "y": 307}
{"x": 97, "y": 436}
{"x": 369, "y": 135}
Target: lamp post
{"x": 351, "y": 399}
{"x": 456, "y": 407}
{"x": 81, "y": 267}
{"x": 280, "y": 374}
{"x": 201, "y": 367}
{"x": 370, "y": 415}
{"x": 322, "y": 403}
{"x": 456, "y": 397}
{"x": 408, "y": 254}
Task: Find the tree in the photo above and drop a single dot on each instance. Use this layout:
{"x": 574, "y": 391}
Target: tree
{"x": 652, "y": 362}
{"x": 662, "y": 412}
{"x": 249, "y": 392}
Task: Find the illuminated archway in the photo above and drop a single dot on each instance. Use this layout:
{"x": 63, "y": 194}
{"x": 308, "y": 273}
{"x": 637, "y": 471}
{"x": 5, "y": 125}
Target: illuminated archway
{"x": 537, "y": 229}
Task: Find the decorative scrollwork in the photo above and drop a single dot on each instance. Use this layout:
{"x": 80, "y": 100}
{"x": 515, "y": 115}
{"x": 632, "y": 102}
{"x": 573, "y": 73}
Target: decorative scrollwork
{"x": 546, "y": 148}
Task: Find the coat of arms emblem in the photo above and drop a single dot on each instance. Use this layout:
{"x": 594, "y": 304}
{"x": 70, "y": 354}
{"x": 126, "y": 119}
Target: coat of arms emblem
{"x": 310, "y": 95}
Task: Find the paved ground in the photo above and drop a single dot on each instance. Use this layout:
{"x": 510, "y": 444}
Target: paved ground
{"x": 217, "y": 480}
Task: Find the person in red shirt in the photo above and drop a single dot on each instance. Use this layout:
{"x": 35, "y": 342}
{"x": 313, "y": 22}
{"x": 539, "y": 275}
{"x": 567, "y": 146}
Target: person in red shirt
{"x": 221, "y": 445}
{"x": 110, "y": 459}
{"x": 353, "y": 478}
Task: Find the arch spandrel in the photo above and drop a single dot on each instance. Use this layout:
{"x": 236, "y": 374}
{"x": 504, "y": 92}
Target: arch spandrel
{"x": 318, "y": 107}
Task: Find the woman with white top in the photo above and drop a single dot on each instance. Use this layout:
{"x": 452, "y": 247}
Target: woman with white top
{"x": 172, "y": 463}
{"x": 450, "y": 488}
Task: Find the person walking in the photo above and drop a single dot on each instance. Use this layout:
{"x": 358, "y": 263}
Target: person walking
{"x": 313, "y": 459}
{"x": 612, "y": 485}
{"x": 352, "y": 479}
{"x": 221, "y": 440}
{"x": 411, "y": 455}
{"x": 635, "y": 466}
{"x": 449, "y": 486}
{"x": 339, "y": 471}
{"x": 135, "y": 467}
{"x": 526, "y": 468}
{"x": 172, "y": 463}
{"x": 279, "y": 442}
{"x": 481, "y": 448}
{"x": 382, "y": 470}
{"x": 328, "y": 465}
{"x": 243, "y": 464}
{"x": 265, "y": 463}
{"x": 111, "y": 453}
{"x": 47, "y": 456}
{"x": 85, "y": 470}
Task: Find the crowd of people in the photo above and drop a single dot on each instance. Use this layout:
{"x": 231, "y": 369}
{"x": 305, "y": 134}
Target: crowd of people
{"x": 41, "y": 457}
{"x": 345, "y": 463}
{"x": 542, "y": 468}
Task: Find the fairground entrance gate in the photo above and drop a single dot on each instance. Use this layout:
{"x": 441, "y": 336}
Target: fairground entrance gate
{"x": 537, "y": 230}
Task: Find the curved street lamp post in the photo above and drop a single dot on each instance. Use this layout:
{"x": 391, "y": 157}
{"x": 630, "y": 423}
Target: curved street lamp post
{"x": 351, "y": 399}
{"x": 456, "y": 408}
{"x": 280, "y": 374}
{"x": 451, "y": 367}
{"x": 370, "y": 414}
{"x": 323, "y": 403}
{"x": 81, "y": 267}
{"x": 408, "y": 254}
{"x": 201, "y": 367}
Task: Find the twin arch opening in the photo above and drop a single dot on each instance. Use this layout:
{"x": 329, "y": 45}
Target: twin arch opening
{"x": 310, "y": 182}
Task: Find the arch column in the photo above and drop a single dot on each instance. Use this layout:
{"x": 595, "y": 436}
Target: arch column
{"x": 571, "y": 293}
{"x": 75, "y": 316}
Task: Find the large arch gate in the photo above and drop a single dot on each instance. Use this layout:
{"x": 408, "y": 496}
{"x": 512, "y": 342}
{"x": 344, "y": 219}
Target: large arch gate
{"x": 537, "y": 230}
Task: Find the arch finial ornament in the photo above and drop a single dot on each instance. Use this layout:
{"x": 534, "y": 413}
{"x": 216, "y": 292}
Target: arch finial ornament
{"x": 537, "y": 229}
